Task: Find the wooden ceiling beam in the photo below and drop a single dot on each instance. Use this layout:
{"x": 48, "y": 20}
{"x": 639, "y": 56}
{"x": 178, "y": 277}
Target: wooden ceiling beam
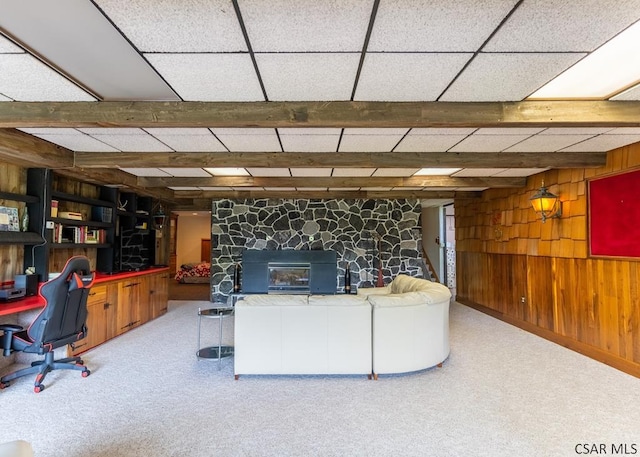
{"x": 29, "y": 151}
{"x": 248, "y": 181}
{"x": 202, "y": 199}
{"x": 341, "y": 159}
{"x": 321, "y": 114}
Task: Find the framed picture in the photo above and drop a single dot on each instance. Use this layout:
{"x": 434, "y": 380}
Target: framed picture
{"x": 9, "y": 221}
{"x": 614, "y": 215}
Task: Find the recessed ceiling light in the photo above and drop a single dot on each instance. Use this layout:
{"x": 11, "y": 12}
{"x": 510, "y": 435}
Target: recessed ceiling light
{"x": 610, "y": 69}
{"x": 228, "y": 171}
{"x": 436, "y": 171}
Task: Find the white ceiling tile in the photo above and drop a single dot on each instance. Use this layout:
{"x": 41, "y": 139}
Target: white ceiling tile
{"x": 443, "y": 131}
{"x": 227, "y": 171}
{"x": 431, "y": 25}
{"x": 376, "y": 189}
{"x": 604, "y": 143}
{"x": 508, "y": 131}
{"x": 184, "y": 188}
{"x": 215, "y": 188}
{"x": 519, "y": 172}
{"x": 243, "y": 131}
{"x": 470, "y": 189}
{"x": 265, "y": 141}
{"x": 77, "y": 142}
{"x": 128, "y": 141}
{"x": 146, "y": 172}
{"x": 306, "y": 131}
{"x": 395, "y": 172}
{"x": 561, "y": 26}
{"x": 407, "y": 77}
{"x": 269, "y": 172}
{"x": 312, "y": 76}
{"x": 376, "y": 131}
{"x": 248, "y": 188}
{"x": 352, "y": 172}
{"x": 407, "y": 188}
{"x": 112, "y": 131}
{"x": 519, "y": 75}
{"x": 311, "y": 172}
{"x": 209, "y": 77}
{"x": 477, "y": 172}
{"x": 24, "y": 78}
{"x": 166, "y": 26}
{"x": 428, "y": 143}
{"x": 590, "y": 131}
{"x": 307, "y": 25}
{"x": 343, "y": 189}
{"x": 311, "y": 189}
{"x": 487, "y": 143}
{"x": 547, "y": 143}
{"x": 624, "y": 131}
{"x": 194, "y": 140}
{"x": 368, "y": 143}
{"x": 309, "y": 142}
{"x": 4, "y": 99}
{"x": 632, "y": 93}
{"x": 280, "y": 189}
{"x": 187, "y": 172}
{"x": 8, "y": 47}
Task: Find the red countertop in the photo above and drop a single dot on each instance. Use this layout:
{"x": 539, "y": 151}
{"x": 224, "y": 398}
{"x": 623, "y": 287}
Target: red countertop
{"x": 25, "y": 304}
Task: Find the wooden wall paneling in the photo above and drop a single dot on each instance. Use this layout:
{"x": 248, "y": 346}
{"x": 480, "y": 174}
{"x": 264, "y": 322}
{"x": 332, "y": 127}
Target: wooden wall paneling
{"x": 608, "y": 323}
{"x": 540, "y": 291}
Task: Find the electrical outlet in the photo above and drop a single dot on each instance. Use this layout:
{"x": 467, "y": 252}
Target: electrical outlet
{"x": 523, "y": 300}
{"x": 49, "y": 224}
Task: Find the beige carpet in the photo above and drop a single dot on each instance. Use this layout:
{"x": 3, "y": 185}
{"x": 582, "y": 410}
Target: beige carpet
{"x": 502, "y": 392}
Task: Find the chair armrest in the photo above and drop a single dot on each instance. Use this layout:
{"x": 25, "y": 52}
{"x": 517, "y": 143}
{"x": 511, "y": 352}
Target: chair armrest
{"x": 8, "y": 331}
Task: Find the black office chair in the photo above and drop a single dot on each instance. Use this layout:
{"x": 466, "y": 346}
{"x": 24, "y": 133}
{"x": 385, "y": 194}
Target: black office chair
{"x": 62, "y": 321}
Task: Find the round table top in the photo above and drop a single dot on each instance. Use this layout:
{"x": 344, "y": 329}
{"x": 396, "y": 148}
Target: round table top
{"x": 216, "y": 312}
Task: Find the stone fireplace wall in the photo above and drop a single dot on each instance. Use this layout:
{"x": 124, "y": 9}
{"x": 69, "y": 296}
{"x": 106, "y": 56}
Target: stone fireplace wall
{"x": 349, "y": 227}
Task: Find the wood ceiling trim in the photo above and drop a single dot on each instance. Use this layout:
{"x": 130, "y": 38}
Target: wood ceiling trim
{"x": 25, "y": 150}
{"x": 415, "y": 181}
{"x": 341, "y": 159}
{"x": 201, "y": 199}
{"x": 321, "y": 114}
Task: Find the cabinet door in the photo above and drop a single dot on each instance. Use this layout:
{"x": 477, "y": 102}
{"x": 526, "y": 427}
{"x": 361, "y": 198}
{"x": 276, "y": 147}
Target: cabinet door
{"x": 127, "y": 315}
{"x": 158, "y": 294}
{"x": 96, "y": 320}
{"x": 143, "y": 311}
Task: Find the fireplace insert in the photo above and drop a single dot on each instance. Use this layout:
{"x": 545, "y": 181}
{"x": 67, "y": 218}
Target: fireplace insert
{"x": 290, "y": 278}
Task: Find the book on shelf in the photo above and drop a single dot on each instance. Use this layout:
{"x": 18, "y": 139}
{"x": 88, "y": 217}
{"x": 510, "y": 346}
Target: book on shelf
{"x": 78, "y": 235}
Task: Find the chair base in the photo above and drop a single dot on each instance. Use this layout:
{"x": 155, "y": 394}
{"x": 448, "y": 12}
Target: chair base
{"x": 42, "y": 367}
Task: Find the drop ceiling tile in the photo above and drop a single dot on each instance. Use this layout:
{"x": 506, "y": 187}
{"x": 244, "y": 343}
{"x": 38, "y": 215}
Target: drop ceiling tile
{"x": 519, "y": 76}
{"x": 155, "y": 172}
{"x": 8, "y": 47}
{"x": 402, "y": 77}
{"x": 487, "y": 143}
{"x": 160, "y": 26}
{"x": 508, "y": 131}
{"x": 112, "y": 131}
{"x": 24, "y": 78}
{"x": 519, "y": 172}
{"x": 264, "y": 141}
{"x": 443, "y": 131}
{"x": 352, "y": 172}
{"x": 269, "y": 172}
{"x": 308, "y": 77}
{"x": 560, "y": 26}
{"x": 209, "y": 77}
{"x": 370, "y": 140}
{"x": 477, "y": 172}
{"x": 376, "y": 131}
{"x": 77, "y": 142}
{"x": 184, "y": 188}
{"x": 603, "y": 143}
{"x": 470, "y": 189}
{"x": 395, "y": 172}
{"x": 311, "y": 172}
{"x": 343, "y": 189}
{"x": 630, "y": 94}
{"x": 547, "y": 143}
{"x": 227, "y": 171}
{"x": 188, "y": 140}
{"x": 407, "y": 188}
{"x": 4, "y": 99}
{"x": 428, "y": 143}
{"x": 280, "y": 189}
{"x": 624, "y": 131}
{"x": 376, "y": 189}
{"x": 309, "y": 26}
{"x": 309, "y": 142}
{"x": 590, "y": 131}
{"x": 215, "y": 188}
{"x": 187, "y": 172}
{"x": 129, "y": 140}
{"x": 427, "y": 25}
{"x": 248, "y": 188}
{"x": 311, "y": 189}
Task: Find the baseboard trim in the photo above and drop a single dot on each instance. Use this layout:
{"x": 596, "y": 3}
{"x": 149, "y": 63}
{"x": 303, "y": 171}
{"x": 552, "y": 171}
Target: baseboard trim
{"x": 589, "y": 351}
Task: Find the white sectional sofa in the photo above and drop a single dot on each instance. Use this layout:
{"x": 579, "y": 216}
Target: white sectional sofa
{"x": 394, "y": 329}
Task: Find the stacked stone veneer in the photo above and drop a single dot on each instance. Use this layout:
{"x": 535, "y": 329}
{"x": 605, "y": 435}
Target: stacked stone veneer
{"x": 349, "y": 227}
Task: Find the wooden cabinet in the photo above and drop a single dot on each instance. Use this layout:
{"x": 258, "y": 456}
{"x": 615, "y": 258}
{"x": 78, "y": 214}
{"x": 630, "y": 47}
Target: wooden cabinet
{"x": 130, "y": 310}
{"x": 158, "y": 294}
{"x": 101, "y": 318}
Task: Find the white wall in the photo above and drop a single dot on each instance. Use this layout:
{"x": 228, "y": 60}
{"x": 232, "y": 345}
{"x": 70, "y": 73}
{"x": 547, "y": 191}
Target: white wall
{"x": 191, "y": 230}
{"x": 431, "y": 230}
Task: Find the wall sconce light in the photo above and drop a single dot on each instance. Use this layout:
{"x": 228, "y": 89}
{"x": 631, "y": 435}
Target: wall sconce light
{"x": 159, "y": 217}
{"x": 547, "y": 204}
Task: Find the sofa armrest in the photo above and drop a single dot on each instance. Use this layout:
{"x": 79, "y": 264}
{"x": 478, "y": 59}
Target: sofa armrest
{"x": 366, "y": 291}
{"x": 398, "y": 300}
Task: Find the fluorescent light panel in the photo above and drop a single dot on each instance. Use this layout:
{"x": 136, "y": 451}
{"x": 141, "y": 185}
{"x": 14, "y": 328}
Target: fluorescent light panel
{"x": 608, "y": 70}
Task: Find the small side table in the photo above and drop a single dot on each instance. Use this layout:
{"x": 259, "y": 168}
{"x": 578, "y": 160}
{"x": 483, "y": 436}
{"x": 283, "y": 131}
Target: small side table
{"x": 214, "y": 352}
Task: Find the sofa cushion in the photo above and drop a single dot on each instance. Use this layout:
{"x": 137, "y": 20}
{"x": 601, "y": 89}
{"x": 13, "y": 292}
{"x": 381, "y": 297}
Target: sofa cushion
{"x": 366, "y": 291}
{"x": 406, "y": 299}
{"x": 273, "y": 300}
{"x": 338, "y": 300}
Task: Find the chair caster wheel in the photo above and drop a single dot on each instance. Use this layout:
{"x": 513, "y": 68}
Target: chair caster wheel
{"x": 4, "y": 385}
{"x": 85, "y": 373}
{"x": 38, "y": 388}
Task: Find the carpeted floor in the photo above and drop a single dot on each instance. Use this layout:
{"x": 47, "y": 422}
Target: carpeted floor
{"x": 178, "y": 291}
{"x": 502, "y": 392}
